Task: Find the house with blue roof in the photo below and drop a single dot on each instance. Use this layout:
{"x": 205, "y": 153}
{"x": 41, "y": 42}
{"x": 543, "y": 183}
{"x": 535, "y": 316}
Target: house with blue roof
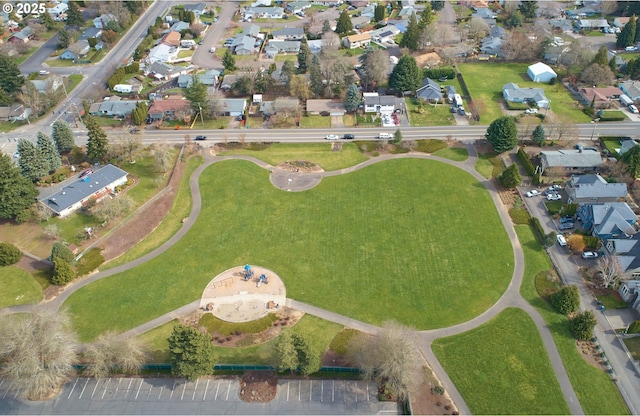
{"x": 593, "y": 188}
{"x": 74, "y": 195}
{"x": 608, "y": 220}
{"x": 179, "y": 26}
{"x": 234, "y": 106}
{"x": 429, "y": 91}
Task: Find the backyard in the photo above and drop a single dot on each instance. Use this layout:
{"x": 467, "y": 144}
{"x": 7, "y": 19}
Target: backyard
{"x": 429, "y": 114}
{"x": 394, "y": 238}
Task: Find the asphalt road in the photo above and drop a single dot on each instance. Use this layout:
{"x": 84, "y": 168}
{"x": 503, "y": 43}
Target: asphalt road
{"x": 202, "y": 56}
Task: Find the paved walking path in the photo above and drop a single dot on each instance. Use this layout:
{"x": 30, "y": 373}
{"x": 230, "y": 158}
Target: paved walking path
{"x": 511, "y": 297}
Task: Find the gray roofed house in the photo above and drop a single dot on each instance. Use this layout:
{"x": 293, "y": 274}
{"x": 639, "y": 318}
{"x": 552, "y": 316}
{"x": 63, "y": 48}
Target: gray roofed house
{"x": 491, "y": 46}
{"x": 288, "y": 33}
{"x": 234, "y": 106}
{"x": 298, "y": 6}
{"x": 369, "y": 11}
{"x": 379, "y": 103}
{"x": 119, "y": 108}
{"x": 631, "y": 89}
{"x": 73, "y": 196}
{"x": 513, "y": 93}
{"x": 197, "y": 9}
{"x": 597, "y": 24}
{"x": 282, "y": 46}
{"x": 163, "y": 70}
{"x": 264, "y": 12}
{"x": 583, "y": 160}
{"x": 244, "y": 45}
{"x": 429, "y": 91}
{"x": 179, "y": 26}
{"x": 15, "y": 112}
{"x": 50, "y": 84}
{"x": 484, "y": 13}
{"x": 608, "y": 220}
{"x": 209, "y": 78}
{"x": 498, "y": 32}
{"x": 251, "y": 30}
{"x": 625, "y": 145}
{"x": 91, "y": 32}
{"x": 333, "y": 107}
{"x": 564, "y": 25}
{"x": 593, "y": 188}
{"x": 627, "y": 251}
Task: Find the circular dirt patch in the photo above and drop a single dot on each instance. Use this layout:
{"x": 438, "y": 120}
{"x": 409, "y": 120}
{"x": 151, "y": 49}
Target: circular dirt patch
{"x": 258, "y": 386}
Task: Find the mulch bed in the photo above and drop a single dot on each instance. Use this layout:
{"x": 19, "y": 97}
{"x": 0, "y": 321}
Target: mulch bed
{"x": 258, "y": 386}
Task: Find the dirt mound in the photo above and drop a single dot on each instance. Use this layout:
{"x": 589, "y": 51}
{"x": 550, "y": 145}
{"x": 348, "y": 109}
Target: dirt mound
{"x": 258, "y": 386}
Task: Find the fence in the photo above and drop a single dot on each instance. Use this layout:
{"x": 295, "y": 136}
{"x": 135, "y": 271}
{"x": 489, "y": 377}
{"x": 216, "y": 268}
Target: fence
{"x": 248, "y": 367}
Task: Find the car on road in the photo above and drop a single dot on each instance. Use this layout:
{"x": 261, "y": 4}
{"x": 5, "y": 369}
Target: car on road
{"x": 85, "y": 173}
{"x": 532, "y": 193}
{"x": 201, "y": 137}
{"x": 385, "y": 136}
{"x": 567, "y": 226}
{"x": 331, "y": 137}
{"x": 561, "y": 240}
{"x": 589, "y": 255}
{"x": 201, "y": 42}
{"x": 212, "y": 49}
{"x": 348, "y": 136}
{"x": 554, "y": 197}
{"x": 134, "y": 131}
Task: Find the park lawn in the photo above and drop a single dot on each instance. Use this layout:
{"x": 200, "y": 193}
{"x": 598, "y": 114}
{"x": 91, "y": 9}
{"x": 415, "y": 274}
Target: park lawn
{"x": 155, "y": 342}
{"x": 319, "y": 153}
{"x": 502, "y": 367}
{"x": 487, "y": 91}
{"x": 171, "y": 223}
{"x": 147, "y": 175}
{"x": 394, "y": 242}
{"x": 457, "y": 154}
{"x": 18, "y": 287}
{"x": 26, "y": 236}
{"x": 595, "y": 389}
{"x": 438, "y": 115}
{"x": 315, "y": 122}
{"x": 489, "y": 165}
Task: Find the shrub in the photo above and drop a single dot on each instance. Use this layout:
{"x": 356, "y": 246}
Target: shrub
{"x": 566, "y": 300}
{"x": 634, "y": 328}
{"x": 437, "y": 390}
{"x": 591, "y": 241}
{"x": 61, "y": 250}
{"x": 63, "y": 273}
{"x": 615, "y": 115}
{"x": 526, "y": 162}
{"x": 90, "y": 261}
{"x": 448, "y": 72}
{"x": 535, "y": 223}
{"x": 9, "y": 254}
{"x": 510, "y": 178}
{"x": 582, "y": 325}
{"x": 399, "y": 149}
{"x": 213, "y": 325}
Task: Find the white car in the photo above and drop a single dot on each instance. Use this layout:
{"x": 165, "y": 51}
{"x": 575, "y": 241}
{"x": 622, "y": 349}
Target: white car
{"x": 331, "y": 137}
{"x": 43, "y": 72}
{"x": 532, "y": 193}
{"x": 554, "y": 197}
{"x": 589, "y": 255}
{"x": 561, "y": 240}
{"x": 633, "y": 109}
{"x": 212, "y": 50}
{"x": 531, "y": 111}
{"x": 385, "y": 136}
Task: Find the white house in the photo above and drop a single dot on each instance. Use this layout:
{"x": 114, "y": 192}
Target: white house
{"x": 58, "y": 9}
{"x": 383, "y": 104}
{"x": 540, "y": 72}
{"x": 162, "y": 53}
{"x": 98, "y": 185}
{"x": 264, "y": 12}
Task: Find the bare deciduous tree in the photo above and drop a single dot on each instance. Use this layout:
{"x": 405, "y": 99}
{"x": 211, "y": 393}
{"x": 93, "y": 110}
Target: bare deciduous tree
{"x": 578, "y": 56}
{"x": 196, "y": 29}
{"x": 215, "y": 104}
{"x": 609, "y": 7}
{"x": 375, "y": 67}
{"x": 112, "y": 354}
{"x": 52, "y": 231}
{"x": 162, "y": 156}
{"x": 30, "y": 97}
{"x": 596, "y": 74}
{"x": 299, "y": 87}
{"x": 38, "y": 353}
{"x": 609, "y": 271}
{"x": 478, "y": 28}
{"x": 110, "y": 209}
{"x": 391, "y": 359}
{"x": 330, "y": 43}
{"x": 519, "y": 46}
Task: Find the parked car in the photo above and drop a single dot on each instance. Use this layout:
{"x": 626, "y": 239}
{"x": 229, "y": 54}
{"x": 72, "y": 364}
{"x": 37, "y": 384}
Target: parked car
{"x": 566, "y": 218}
{"x": 554, "y": 197}
{"x": 212, "y": 49}
{"x": 134, "y": 131}
{"x": 567, "y": 226}
{"x": 201, "y": 41}
{"x": 454, "y": 110}
{"x": 532, "y": 193}
{"x": 331, "y": 137}
{"x": 461, "y": 111}
{"x": 589, "y": 255}
{"x": 633, "y": 109}
{"x": 631, "y": 48}
{"x": 325, "y": 113}
{"x": 550, "y": 191}
{"x": 43, "y": 72}
{"x": 85, "y": 173}
{"x": 531, "y": 111}
{"x": 561, "y": 240}
{"x": 349, "y": 136}
{"x": 385, "y": 136}
{"x": 555, "y": 187}
{"x": 201, "y": 137}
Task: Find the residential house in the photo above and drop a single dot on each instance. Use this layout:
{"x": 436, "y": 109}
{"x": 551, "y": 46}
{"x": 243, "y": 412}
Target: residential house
{"x": 179, "y": 26}
{"x": 540, "y": 72}
{"x": 328, "y": 3}
{"x": 234, "y": 106}
{"x": 631, "y": 89}
{"x": 625, "y": 145}
{"x": 251, "y": 30}
{"x": 286, "y": 105}
{"x": 583, "y": 160}
{"x": 58, "y": 10}
{"x": 50, "y": 84}
{"x": 209, "y": 78}
{"x": 244, "y": 45}
{"x": 380, "y": 104}
{"x": 296, "y": 7}
{"x": 73, "y": 196}
{"x": 630, "y": 291}
{"x": 580, "y": 13}
{"x": 406, "y": 12}
{"x": 16, "y": 112}
{"x": 608, "y": 220}
{"x": 553, "y": 53}
{"x": 361, "y": 40}
{"x": 23, "y": 36}
{"x": 332, "y": 107}
{"x": 164, "y": 71}
{"x": 171, "y": 39}
{"x": 429, "y": 91}
{"x": 315, "y": 46}
{"x": 620, "y": 21}
{"x": 264, "y": 12}
{"x": 275, "y": 47}
{"x": 593, "y": 188}
{"x": 162, "y": 53}
{"x": 288, "y": 33}
{"x": 261, "y": 3}
{"x": 561, "y": 25}
{"x": 169, "y": 109}
{"x": 626, "y": 251}
{"x": 384, "y": 34}
{"x": 600, "y": 97}
{"x": 484, "y": 13}
{"x": 101, "y": 21}
{"x": 91, "y": 32}
{"x": 369, "y": 11}
{"x": 198, "y": 9}
{"x": 114, "y": 107}
{"x": 621, "y": 64}
{"x": 491, "y": 46}
{"x": 594, "y": 24}
{"x": 77, "y": 50}
{"x": 513, "y": 93}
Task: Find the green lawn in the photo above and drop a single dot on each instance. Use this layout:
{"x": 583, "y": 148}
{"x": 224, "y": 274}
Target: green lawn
{"x": 489, "y": 165}
{"x": 18, "y": 287}
{"x": 319, "y": 153}
{"x": 457, "y": 154}
{"x": 310, "y": 122}
{"x": 438, "y": 115}
{"x": 408, "y": 240}
{"x": 75, "y": 80}
{"x": 502, "y": 367}
{"x": 633, "y": 344}
{"x": 595, "y": 389}
{"x": 486, "y": 91}
{"x": 155, "y": 342}
{"x": 281, "y": 58}
{"x": 185, "y": 53}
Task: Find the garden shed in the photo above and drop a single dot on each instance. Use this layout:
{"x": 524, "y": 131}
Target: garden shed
{"x": 540, "y": 72}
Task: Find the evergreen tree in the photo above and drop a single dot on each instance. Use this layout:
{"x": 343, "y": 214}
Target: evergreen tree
{"x": 627, "y": 35}
{"x": 229, "y": 61}
{"x": 308, "y": 357}
{"x": 47, "y": 21}
{"x": 613, "y": 66}
{"x": 538, "y": 135}
{"x": 10, "y": 78}
{"x": 304, "y": 57}
{"x": 510, "y": 177}
{"x": 315, "y": 75}
{"x": 632, "y": 158}
{"x": 196, "y": 93}
{"x": 528, "y": 8}
{"x": 437, "y": 5}
{"x": 140, "y": 113}
{"x": 48, "y": 150}
{"x": 62, "y": 136}
{"x": 17, "y": 192}
{"x": 97, "y": 144}
{"x": 191, "y": 352}
{"x": 65, "y": 38}
{"x": 410, "y": 38}
{"x": 63, "y": 273}
{"x": 582, "y": 325}
{"x": 502, "y": 134}
{"x": 287, "y": 71}
{"x": 326, "y": 26}
{"x": 352, "y": 98}
{"x": 515, "y": 20}
{"x": 405, "y": 75}
{"x": 379, "y": 12}
{"x": 9, "y": 254}
{"x": 32, "y": 163}
{"x": 566, "y": 300}
{"x": 636, "y": 38}
{"x": 74, "y": 15}
{"x": 62, "y": 251}
{"x": 426, "y": 18}
{"x": 601, "y": 57}
{"x": 344, "y": 24}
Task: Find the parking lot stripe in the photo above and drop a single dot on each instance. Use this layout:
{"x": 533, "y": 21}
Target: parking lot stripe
{"x": 368, "y": 398}
{"x": 105, "y": 387}
{"x": 356, "y": 392}
{"x": 74, "y": 386}
{"x": 1, "y": 383}
{"x": 217, "y": 388}
{"x": 288, "y": 385}
{"x": 228, "y": 390}
{"x": 85, "y": 386}
{"x": 160, "y": 394}
{"x": 173, "y": 389}
{"x": 94, "y": 389}
{"x": 333, "y": 390}
{"x": 195, "y": 390}
{"x": 138, "y": 392}
{"x": 310, "y": 388}
{"x": 7, "y": 392}
{"x": 150, "y": 388}
{"x": 183, "y": 390}
{"x": 126, "y": 393}
{"x": 206, "y": 389}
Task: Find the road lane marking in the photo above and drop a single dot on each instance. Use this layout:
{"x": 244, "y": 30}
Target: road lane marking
{"x": 94, "y": 389}
{"x": 310, "y": 389}
{"x": 299, "y": 390}
{"x": 74, "y": 386}
{"x": 85, "y": 386}
{"x": 139, "y": 387}
{"x": 204, "y": 396}
{"x": 105, "y": 387}
{"x": 194, "y": 391}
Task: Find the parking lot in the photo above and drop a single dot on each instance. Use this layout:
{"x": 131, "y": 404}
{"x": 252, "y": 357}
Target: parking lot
{"x": 218, "y": 395}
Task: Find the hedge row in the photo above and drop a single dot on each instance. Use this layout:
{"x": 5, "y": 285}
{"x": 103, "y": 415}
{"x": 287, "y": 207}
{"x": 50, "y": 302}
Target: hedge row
{"x": 437, "y": 73}
{"x": 535, "y": 223}
{"x": 526, "y": 162}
